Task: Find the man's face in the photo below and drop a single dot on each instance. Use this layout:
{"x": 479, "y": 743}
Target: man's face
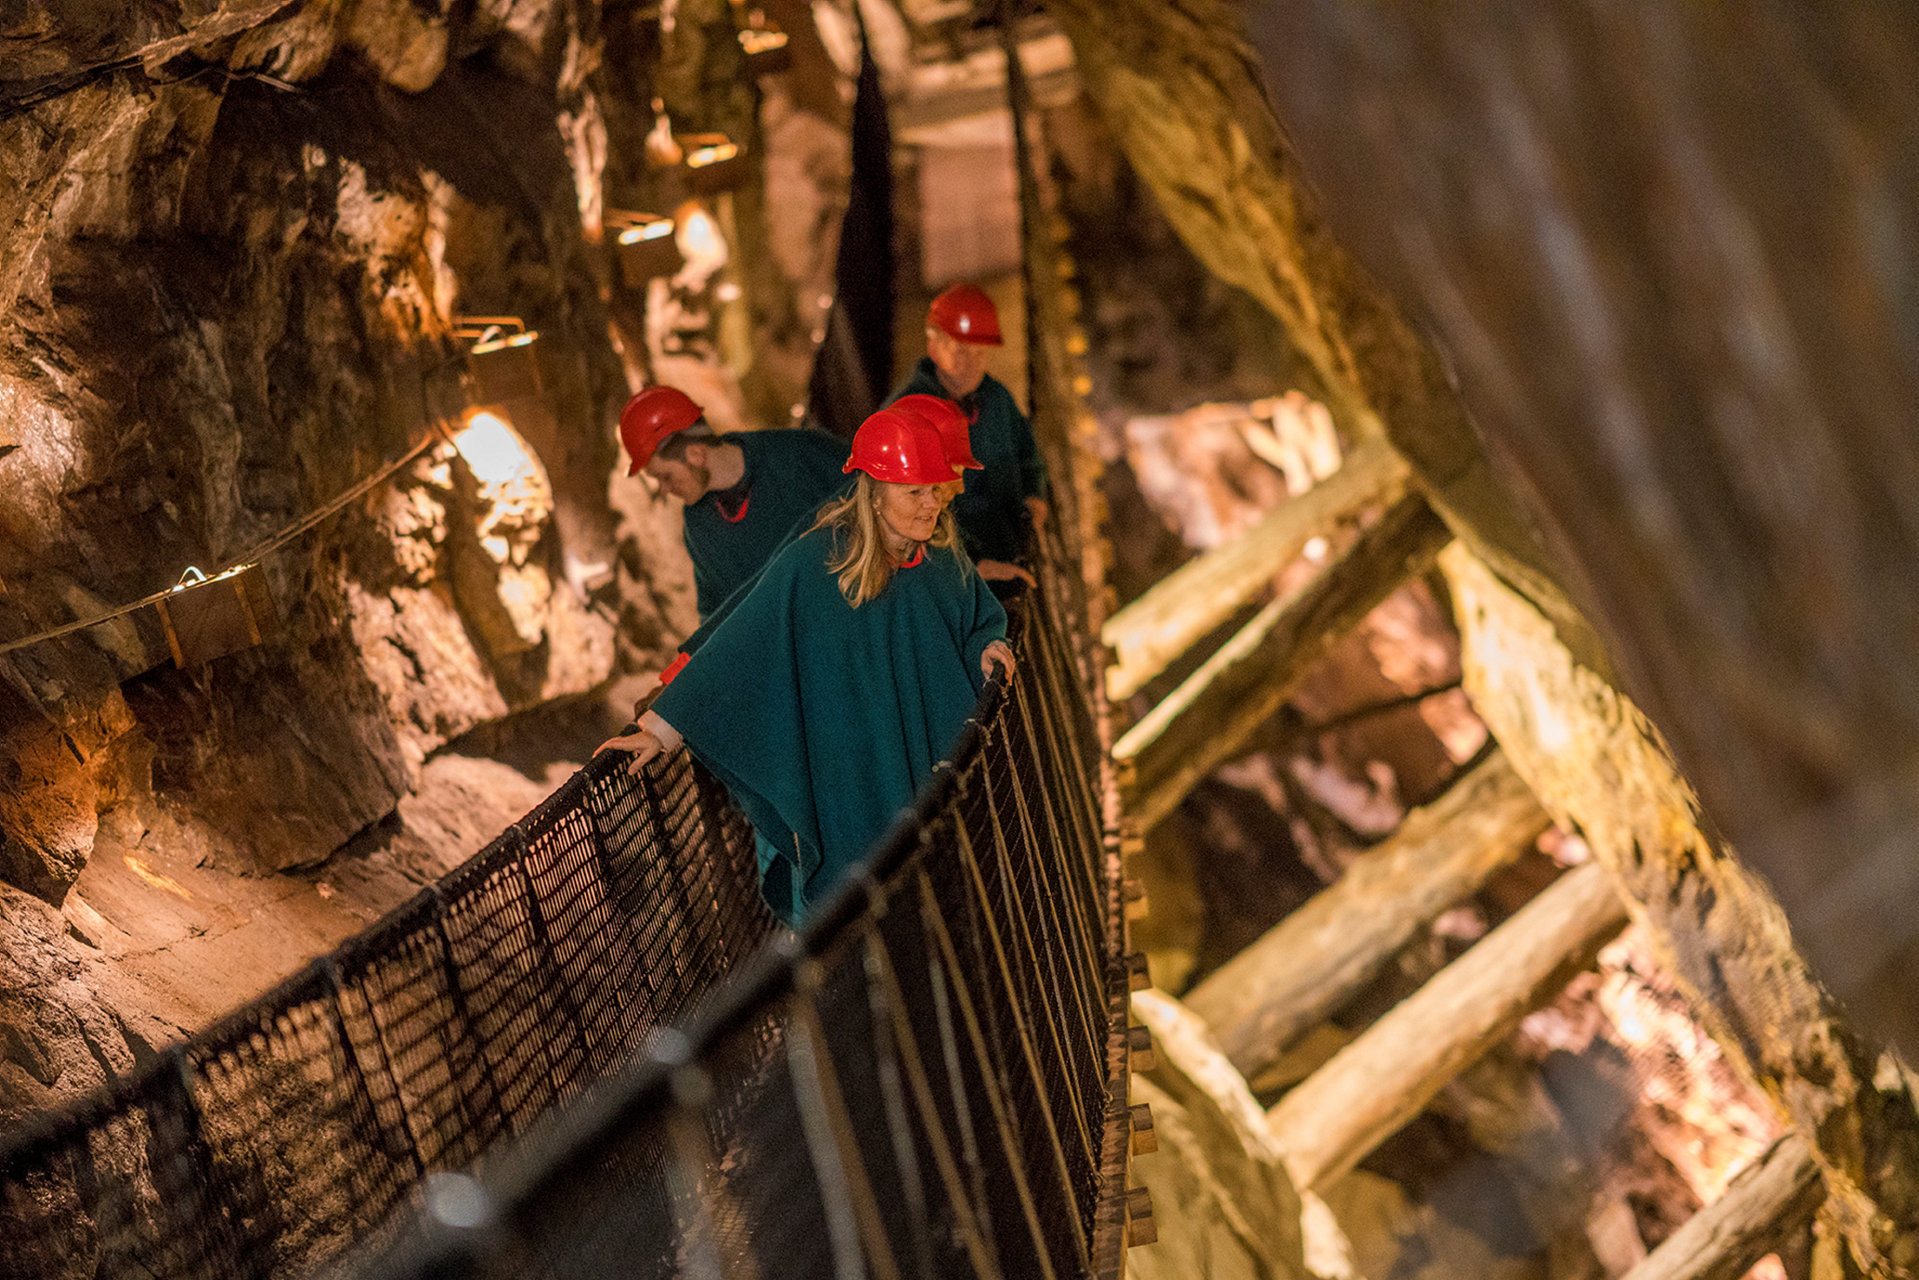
{"x": 686, "y": 478}
{"x": 961, "y": 365}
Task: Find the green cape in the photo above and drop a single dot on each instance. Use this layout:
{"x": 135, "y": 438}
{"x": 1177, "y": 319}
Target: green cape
{"x": 824, "y": 720}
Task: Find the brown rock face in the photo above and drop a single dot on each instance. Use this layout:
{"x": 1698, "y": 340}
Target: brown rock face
{"x": 1654, "y": 250}
{"x": 1668, "y": 254}
{"x": 1602, "y": 770}
{"x": 225, "y": 300}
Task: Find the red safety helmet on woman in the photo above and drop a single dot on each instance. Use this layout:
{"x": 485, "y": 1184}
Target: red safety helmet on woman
{"x": 951, "y": 421}
{"x": 964, "y": 313}
{"x": 650, "y": 417}
{"x": 899, "y": 448}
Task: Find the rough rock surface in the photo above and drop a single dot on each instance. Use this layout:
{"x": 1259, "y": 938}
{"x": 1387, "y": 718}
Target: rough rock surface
{"x": 1178, "y": 87}
{"x": 238, "y": 237}
{"x": 1602, "y": 770}
{"x": 1667, "y": 254}
{"x": 1221, "y": 1200}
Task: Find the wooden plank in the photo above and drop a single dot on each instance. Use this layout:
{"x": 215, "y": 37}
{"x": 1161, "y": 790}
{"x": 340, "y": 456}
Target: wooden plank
{"x": 1179, "y": 610}
{"x": 1311, "y": 962}
{"x": 1203, "y": 723}
{"x": 1769, "y": 1200}
{"x": 1387, "y": 1076}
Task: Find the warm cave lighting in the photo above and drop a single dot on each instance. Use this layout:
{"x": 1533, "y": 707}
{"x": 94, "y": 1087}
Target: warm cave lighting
{"x": 767, "y": 50}
{"x": 493, "y": 450}
{"x": 645, "y": 246}
{"x": 501, "y": 363}
{"x": 655, "y": 228}
{"x": 700, "y": 240}
{"x": 714, "y": 163}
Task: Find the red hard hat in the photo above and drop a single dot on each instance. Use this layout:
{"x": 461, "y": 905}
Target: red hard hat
{"x": 966, "y": 314}
{"x": 897, "y": 447}
{"x": 950, "y": 421}
{"x": 650, "y": 417}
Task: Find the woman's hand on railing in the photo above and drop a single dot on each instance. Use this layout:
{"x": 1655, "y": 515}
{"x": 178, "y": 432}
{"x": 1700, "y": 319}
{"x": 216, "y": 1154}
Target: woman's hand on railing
{"x": 997, "y": 654}
{"x": 643, "y": 746}
{"x": 1003, "y": 571}
{"x": 651, "y": 738}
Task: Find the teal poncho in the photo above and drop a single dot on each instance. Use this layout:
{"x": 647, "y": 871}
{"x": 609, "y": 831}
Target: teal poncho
{"x": 991, "y": 512}
{"x": 824, "y": 720}
{"x": 789, "y": 474}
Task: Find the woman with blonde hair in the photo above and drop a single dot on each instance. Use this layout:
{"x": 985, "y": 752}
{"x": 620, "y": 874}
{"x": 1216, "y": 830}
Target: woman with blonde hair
{"x": 835, "y": 686}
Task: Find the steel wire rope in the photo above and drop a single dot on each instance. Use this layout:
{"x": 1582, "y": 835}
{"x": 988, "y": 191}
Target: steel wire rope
{"x": 436, "y": 435}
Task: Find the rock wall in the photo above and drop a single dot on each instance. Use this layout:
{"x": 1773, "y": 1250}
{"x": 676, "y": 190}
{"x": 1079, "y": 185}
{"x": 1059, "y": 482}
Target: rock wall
{"x": 1668, "y": 255}
{"x": 1181, "y": 88}
{"x": 238, "y": 240}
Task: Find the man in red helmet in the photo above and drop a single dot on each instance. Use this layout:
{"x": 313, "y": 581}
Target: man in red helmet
{"x": 998, "y": 502}
{"x": 743, "y": 493}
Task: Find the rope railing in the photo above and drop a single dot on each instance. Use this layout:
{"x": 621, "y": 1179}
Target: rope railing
{"x": 591, "y": 1052}
{"x": 291, "y": 1129}
{"x": 931, "y": 1065}
{"x": 437, "y": 433}
{"x": 927, "y": 1080}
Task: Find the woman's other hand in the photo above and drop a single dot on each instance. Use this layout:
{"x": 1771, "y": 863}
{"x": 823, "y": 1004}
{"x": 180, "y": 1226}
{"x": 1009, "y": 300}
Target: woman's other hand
{"x": 998, "y": 654}
{"x": 1003, "y": 571}
{"x": 644, "y": 746}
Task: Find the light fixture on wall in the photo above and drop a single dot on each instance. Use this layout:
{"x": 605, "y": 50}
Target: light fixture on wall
{"x": 501, "y": 364}
{"x": 645, "y": 245}
{"x": 714, "y": 163}
{"x": 206, "y": 618}
{"x": 768, "y": 51}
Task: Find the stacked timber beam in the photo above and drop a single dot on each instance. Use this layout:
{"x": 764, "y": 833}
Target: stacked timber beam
{"x": 1179, "y": 610}
{"x": 1301, "y": 970}
{"x": 1208, "y": 718}
{"x": 1771, "y": 1199}
{"x": 1373, "y": 1086}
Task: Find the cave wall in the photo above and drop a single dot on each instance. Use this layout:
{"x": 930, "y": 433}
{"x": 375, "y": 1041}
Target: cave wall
{"x": 1567, "y": 506}
{"x": 1669, "y": 255}
{"x": 237, "y": 239}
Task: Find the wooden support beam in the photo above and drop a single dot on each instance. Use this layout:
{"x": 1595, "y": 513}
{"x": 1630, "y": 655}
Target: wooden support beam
{"x": 1203, "y": 723}
{"x": 1769, "y": 1200}
{"x": 1310, "y": 963}
{"x": 1180, "y": 609}
{"x": 1387, "y": 1076}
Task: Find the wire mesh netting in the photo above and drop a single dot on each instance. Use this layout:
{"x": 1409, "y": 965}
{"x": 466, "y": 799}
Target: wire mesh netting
{"x": 296, "y": 1125}
{"x": 923, "y": 1083}
{"x": 589, "y": 1052}
{"x": 920, "y": 1086}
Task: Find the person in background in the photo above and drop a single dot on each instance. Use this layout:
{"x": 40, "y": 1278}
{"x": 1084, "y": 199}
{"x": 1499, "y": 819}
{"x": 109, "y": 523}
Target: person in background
{"x": 1008, "y": 493}
{"x": 744, "y": 493}
{"x": 832, "y": 690}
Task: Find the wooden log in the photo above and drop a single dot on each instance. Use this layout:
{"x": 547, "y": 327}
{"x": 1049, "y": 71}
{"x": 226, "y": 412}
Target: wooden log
{"x": 1151, "y": 633}
{"x": 1308, "y": 964}
{"x": 1203, "y": 723}
{"x": 1769, "y": 1200}
{"x": 1387, "y": 1076}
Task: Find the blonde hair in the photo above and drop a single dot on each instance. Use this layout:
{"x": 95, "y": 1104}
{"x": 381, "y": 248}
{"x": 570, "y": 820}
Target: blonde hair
{"x": 860, "y": 557}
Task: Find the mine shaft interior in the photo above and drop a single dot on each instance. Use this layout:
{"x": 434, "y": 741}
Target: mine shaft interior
{"x": 1447, "y": 808}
